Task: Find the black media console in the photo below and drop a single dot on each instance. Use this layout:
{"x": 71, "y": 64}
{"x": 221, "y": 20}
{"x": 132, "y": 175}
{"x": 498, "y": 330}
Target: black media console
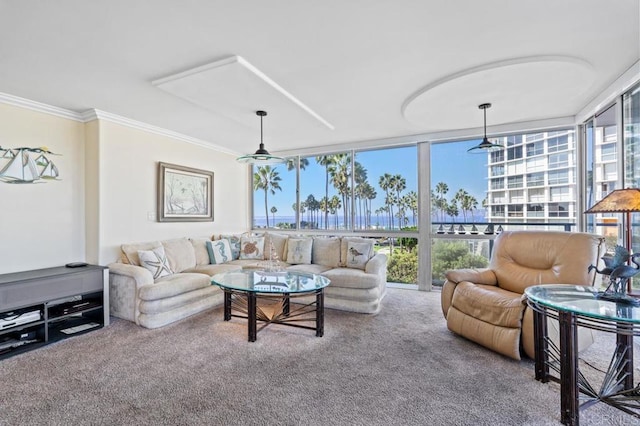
{"x": 46, "y": 305}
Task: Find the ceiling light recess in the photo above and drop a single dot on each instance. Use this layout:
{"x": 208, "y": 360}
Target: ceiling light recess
{"x": 261, "y": 156}
{"x": 486, "y": 145}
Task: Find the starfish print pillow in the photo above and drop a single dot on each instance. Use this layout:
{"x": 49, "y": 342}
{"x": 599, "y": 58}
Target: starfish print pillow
{"x": 155, "y": 261}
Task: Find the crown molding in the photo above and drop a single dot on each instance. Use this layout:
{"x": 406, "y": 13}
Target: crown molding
{"x": 95, "y": 114}
{"x": 17, "y": 101}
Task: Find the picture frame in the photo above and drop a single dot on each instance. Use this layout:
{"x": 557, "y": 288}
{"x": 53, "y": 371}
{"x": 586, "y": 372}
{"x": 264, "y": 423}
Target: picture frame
{"x": 185, "y": 194}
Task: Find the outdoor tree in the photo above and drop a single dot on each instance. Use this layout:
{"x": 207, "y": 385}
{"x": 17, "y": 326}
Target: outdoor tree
{"x": 267, "y": 179}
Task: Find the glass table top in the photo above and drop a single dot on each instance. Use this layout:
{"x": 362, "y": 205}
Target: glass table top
{"x": 582, "y": 300}
{"x": 270, "y": 282}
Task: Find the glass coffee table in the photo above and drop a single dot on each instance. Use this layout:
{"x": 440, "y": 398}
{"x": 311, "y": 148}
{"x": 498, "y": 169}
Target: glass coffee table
{"x": 274, "y": 290}
{"x": 580, "y": 306}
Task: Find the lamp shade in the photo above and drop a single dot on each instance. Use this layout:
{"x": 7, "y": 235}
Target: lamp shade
{"x": 261, "y": 156}
{"x": 486, "y": 145}
{"x": 618, "y": 201}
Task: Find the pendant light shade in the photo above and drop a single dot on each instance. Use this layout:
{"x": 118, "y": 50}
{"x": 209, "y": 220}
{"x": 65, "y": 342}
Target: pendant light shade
{"x": 261, "y": 156}
{"x": 485, "y": 146}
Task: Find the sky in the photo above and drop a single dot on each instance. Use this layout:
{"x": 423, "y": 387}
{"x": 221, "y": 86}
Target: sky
{"x": 450, "y": 163}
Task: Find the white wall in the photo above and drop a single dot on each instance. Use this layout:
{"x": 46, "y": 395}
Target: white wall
{"x": 128, "y": 164}
{"x": 42, "y": 224}
{"x": 106, "y": 193}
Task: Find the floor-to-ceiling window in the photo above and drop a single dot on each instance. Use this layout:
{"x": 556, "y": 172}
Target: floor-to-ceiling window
{"x": 530, "y": 184}
{"x": 631, "y": 143}
{"x": 600, "y": 136}
{"x": 372, "y": 193}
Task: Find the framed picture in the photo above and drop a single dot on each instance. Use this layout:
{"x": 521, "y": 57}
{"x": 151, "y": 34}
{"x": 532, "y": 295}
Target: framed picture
{"x": 184, "y": 194}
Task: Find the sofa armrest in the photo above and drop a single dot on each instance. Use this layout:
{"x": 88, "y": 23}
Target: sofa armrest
{"x": 477, "y": 276}
{"x": 376, "y": 264}
{"x": 141, "y": 276}
{"x": 453, "y": 277}
{"x": 124, "y": 282}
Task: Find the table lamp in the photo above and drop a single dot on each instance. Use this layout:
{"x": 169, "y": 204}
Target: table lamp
{"x": 620, "y": 201}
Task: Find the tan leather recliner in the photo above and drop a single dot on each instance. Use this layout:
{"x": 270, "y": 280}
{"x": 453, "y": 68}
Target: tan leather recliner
{"x": 488, "y": 307}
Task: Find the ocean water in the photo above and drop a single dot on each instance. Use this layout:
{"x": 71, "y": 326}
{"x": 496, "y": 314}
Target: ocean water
{"x": 376, "y": 222}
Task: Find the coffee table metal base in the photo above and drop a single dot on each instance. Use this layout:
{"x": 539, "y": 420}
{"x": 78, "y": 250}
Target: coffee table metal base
{"x": 245, "y": 303}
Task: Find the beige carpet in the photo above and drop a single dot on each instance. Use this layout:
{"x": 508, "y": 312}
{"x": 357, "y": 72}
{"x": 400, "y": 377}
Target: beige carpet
{"x": 401, "y": 367}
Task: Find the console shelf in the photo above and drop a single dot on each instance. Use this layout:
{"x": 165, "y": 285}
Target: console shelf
{"x": 47, "y": 305}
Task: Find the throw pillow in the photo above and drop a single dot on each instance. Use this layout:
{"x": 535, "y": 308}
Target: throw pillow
{"x": 326, "y": 251}
{"x": 358, "y": 254}
{"x": 276, "y": 241}
{"x": 234, "y": 242}
{"x": 299, "y": 251}
{"x": 219, "y": 251}
{"x": 200, "y": 248}
{"x": 251, "y": 247}
{"x": 155, "y": 261}
{"x": 344, "y": 245}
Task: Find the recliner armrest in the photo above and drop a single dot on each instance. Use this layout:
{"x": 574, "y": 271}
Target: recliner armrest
{"x": 477, "y": 276}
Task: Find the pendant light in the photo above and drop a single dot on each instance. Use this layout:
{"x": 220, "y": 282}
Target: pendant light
{"x": 485, "y": 145}
{"x": 261, "y": 156}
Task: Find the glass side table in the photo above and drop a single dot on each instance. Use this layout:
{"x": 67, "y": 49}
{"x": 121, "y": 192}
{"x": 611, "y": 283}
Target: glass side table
{"x": 575, "y": 306}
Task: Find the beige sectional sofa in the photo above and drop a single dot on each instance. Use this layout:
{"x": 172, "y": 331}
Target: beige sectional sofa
{"x": 185, "y": 287}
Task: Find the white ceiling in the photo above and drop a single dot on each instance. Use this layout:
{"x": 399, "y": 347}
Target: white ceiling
{"x": 372, "y": 69}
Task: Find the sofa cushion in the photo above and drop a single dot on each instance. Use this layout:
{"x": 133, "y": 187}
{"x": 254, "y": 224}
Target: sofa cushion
{"x": 351, "y": 278}
{"x": 155, "y": 261}
{"x": 200, "y": 250}
{"x": 299, "y": 251}
{"x": 219, "y": 251}
{"x": 159, "y": 306}
{"x": 344, "y": 247}
{"x": 490, "y": 304}
{"x": 279, "y": 242}
{"x": 211, "y": 270}
{"x": 173, "y": 285}
{"x": 358, "y": 254}
{"x": 130, "y": 251}
{"x": 251, "y": 247}
{"x": 309, "y": 269}
{"x": 180, "y": 253}
{"x": 249, "y": 263}
{"x": 234, "y": 242}
{"x": 326, "y": 251}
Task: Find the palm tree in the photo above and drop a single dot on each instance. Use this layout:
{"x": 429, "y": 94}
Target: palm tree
{"x": 398, "y": 184}
{"x": 292, "y": 161}
{"x": 273, "y": 212}
{"x": 268, "y": 180}
{"x": 468, "y": 203}
{"x": 459, "y": 198}
{"x": 369, "y": 193}
{"x": 411, "y": 201}
{"x": 360, "y": 179}
{"x": 324, "y": 207}
{"x": 312, "y": 206}
{"x": 452, "y": 210}
{"x": 325, "y": 161}
{"x": 385, "y": 184}
{"x": 441, "y": 202}
{"x": 340, "y": 172}
{"x": 335, "y": 205}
